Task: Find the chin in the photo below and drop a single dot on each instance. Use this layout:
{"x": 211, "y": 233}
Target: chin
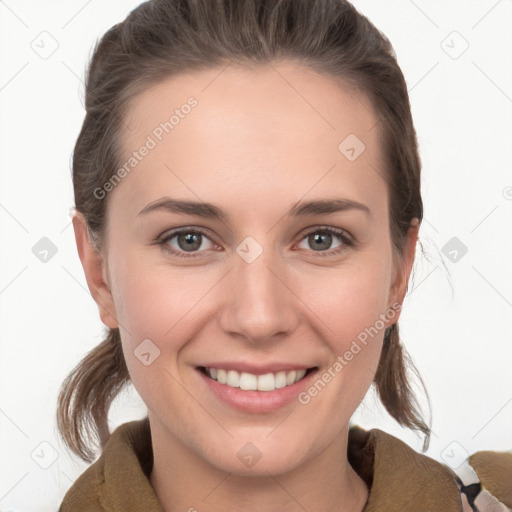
{"x": 257, "y": 459}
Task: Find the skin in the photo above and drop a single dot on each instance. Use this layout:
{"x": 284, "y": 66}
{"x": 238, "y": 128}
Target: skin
{"x": 254, "y": 146}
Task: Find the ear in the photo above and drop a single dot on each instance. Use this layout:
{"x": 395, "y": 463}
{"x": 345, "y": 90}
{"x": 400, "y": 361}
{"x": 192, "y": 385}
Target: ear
{"x": 95, "y": 271}
{"x": 403, "y": 268}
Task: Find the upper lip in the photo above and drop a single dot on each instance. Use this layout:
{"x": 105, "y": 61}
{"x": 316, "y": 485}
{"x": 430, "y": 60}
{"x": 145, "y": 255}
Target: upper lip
{"x": 256, "y": 369}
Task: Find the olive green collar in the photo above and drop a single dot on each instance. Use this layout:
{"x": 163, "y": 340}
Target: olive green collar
{"x": 399, "y": 478}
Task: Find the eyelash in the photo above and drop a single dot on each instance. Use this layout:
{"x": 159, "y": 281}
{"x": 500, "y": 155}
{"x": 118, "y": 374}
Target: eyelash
{"x": 346, "y": 241}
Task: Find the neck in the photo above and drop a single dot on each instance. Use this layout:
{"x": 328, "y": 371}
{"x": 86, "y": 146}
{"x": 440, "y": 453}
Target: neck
{"x": 185, "y": 482}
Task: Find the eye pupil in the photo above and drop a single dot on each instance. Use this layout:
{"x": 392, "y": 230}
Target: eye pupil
{"x": 322, "y": 238}
{"x": 192, "y": 241}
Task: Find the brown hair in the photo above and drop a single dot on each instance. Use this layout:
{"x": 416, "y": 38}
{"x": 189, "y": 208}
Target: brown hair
{"x": 161, "y": 38}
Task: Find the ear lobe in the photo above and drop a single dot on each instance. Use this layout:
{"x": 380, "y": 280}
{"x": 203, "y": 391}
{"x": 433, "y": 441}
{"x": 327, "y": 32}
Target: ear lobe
{"x": 95, "y": 271}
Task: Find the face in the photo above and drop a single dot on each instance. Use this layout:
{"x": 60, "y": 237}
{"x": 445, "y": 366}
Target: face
{"x": 250, "y": 282}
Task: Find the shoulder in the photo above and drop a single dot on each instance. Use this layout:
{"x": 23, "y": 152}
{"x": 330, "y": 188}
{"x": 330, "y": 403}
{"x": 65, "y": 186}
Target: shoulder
{"x": 485, "y": 482}
{"x": 84, "y": 494}
{"x": 401, "y": 478}
{"x": 118, "y": 479}
{"x": 396, "y": 473}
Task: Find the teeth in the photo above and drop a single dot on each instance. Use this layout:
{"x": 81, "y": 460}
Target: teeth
{"x": 250, "y": 382}
{"x": 300, "y": 374}
{"x": 281, "y": 379}
{"x": 221, "y": 376}
{"x": 266, "y": 382}
{"x": 290, "y": 378}
{"x": 233, "y": 379}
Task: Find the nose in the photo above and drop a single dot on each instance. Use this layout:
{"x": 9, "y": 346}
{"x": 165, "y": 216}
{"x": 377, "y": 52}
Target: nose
{"x": 259, "y": 303}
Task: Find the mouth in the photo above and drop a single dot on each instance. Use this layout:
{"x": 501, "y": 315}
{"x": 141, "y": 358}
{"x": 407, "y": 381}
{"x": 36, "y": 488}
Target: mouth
{"x": 246, "y": 381}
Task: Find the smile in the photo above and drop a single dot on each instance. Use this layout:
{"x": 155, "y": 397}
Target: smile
{"x": 251, "y": 382}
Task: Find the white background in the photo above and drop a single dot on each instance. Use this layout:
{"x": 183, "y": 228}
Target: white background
{"x": 457, "y": 318}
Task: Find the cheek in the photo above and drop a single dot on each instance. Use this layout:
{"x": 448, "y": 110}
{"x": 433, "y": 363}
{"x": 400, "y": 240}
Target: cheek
{"x": 351, "y": 320}
{"x": 157, "y": 303}
{"x": 352, "y": 310}
{"x": 153, "y": 300}
{"x": 351, "y": 300}
{"x": 152, "y": 311}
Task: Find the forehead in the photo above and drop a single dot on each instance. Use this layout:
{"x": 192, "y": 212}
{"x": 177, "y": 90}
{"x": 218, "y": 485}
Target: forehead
{"x": 270, "y": 130}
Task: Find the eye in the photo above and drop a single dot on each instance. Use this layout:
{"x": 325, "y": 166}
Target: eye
{"x": 321, "y": 239}
{"x": 188, "y": 241}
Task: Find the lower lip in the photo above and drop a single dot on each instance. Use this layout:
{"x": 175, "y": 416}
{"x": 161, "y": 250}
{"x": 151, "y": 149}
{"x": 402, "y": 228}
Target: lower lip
{"x": 257, "y": 401}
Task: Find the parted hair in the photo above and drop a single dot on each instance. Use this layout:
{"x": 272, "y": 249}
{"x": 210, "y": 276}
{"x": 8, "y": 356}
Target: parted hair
{"x": 162, "y": 38}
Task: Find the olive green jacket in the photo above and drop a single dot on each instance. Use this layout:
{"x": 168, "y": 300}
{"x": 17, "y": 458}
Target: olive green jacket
{"x": 399, "y": 478}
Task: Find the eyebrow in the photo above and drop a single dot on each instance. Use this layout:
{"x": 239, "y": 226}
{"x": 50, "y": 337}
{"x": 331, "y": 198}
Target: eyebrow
{"x": 210, "y": 211}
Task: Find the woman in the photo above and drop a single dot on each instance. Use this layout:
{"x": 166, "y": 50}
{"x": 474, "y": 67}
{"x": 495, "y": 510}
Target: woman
{"x": 247, "y": 188}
